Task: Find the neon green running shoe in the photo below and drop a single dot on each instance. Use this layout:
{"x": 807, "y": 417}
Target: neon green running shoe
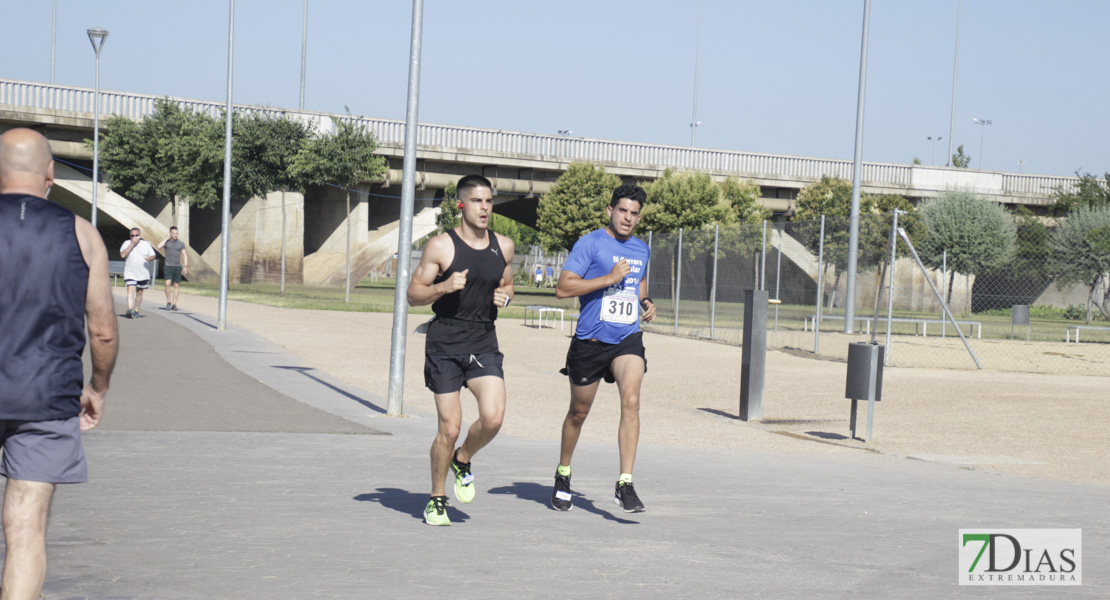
{"x": 464, "y": 481}
{"x": 435, "y": 513}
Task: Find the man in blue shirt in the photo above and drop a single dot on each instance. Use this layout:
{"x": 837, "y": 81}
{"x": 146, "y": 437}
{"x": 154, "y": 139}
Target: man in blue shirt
{"x": 607, "y": 269}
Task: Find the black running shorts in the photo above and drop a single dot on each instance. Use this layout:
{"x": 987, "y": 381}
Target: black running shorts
{"x": 590, "y": 360}
{"x": 448, "y": 373}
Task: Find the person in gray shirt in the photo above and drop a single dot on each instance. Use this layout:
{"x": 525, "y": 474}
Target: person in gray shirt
{"x": 177, "y": 264}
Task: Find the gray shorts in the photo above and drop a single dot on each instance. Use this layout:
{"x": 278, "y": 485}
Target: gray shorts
{"x": 46, "y": 451}
{"x": 172, "y": 273}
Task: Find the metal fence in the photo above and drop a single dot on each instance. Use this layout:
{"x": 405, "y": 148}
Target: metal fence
{"x": 697, "y": 280}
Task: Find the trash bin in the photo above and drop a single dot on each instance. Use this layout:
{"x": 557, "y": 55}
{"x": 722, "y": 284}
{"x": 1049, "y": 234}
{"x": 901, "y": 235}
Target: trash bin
{"x": 860, "y": 365}
{"x": 864, "y": 381}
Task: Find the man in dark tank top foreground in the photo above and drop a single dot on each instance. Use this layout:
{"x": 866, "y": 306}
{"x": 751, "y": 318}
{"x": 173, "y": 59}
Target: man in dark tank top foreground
{"x": 53, "y": 277}
{"x": 465, "y": 274}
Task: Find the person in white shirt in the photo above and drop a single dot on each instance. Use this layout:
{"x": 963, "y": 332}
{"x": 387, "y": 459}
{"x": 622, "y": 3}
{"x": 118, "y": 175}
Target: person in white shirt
{"x": 137, "y": 252}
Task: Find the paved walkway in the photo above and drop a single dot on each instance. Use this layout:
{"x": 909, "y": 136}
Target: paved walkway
{"x": 224, "y": 469}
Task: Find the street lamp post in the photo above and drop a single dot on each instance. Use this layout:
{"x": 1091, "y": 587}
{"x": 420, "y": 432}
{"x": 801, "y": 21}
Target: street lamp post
{"x": 53, "y": 38}
{"x": 694, "y": 122}
{"x": 304, "y": 51}
{"x": 934, "y": 140}
{"x": 955, "y": 68}
{"x": 97, "y": 36}
{"x": 983, "y": 128}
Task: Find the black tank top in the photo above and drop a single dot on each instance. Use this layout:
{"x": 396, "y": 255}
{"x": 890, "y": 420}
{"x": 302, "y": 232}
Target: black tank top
{"x": 43, "y": 282}
{"x": 464, "y": 319}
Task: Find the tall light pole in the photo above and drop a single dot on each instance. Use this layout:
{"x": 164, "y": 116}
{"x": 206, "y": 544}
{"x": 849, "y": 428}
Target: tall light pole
{"x": 1021, "y": 163}
{"x": 983, "y": 128}
{"x": 304, "y": 50}
{"x": 395, "y": 401}
{"x": 225, "y": 222}
{"x": 53, "y": 38}
{"x": 955, "y": 67}
{"x": 934, "y": 140}
{"x": 697, "y": 61}
{"x": 97, "y": 36}
{"x": 857, "y": 167}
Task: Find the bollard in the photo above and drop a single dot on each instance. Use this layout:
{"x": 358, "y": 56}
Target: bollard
{"x": 1019, "y": 316}
{"x": 865, "y": 381}
{"x": 754, "y": 355}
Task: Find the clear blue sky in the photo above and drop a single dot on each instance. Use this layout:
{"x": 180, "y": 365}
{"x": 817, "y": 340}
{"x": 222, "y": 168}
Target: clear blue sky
{"x": 778, "y": 77}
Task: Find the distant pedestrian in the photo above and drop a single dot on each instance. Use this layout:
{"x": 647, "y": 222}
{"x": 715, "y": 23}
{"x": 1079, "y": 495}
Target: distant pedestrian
{"x": 177, "y": 264}
{"x": 53, "y": 280}
{"x": 539, "y": 275}
{"x": 549, "y": 277}
{"x": 136, "y": 275}
{"x": 466, "y": 274}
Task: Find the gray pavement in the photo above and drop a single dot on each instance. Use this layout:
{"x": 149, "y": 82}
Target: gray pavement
{"x": 207, "y": 484}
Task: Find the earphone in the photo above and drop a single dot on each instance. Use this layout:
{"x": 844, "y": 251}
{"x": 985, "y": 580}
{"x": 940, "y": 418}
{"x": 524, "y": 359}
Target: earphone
{"x": 461, "y": 205}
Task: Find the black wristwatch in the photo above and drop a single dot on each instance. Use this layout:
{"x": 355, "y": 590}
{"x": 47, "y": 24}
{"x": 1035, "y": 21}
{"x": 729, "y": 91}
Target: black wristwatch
{"x": 646, "y": 299}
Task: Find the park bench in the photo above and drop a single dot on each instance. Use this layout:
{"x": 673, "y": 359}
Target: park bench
{"x": 1067, "y": 332}
{"x": 539, "y": 315}
{"x": 115, "y": 269}
{"x": 924, "y": 323}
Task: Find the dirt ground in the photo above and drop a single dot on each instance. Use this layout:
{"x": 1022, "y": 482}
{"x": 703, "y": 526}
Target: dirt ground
{"x": 1035, "y": 425}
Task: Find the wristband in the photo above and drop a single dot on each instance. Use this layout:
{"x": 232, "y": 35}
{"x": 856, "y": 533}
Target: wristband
{"x": 646, "y": 299}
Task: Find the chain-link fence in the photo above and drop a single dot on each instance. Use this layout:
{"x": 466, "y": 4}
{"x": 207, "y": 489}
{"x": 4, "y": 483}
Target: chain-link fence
{"x": 697, "y": 280}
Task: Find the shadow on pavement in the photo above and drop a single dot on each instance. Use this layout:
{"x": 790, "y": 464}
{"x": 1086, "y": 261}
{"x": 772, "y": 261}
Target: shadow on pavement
{"x": 826, "y": 435}
{"x": 542, "y": 494}
{"x": 197, "y": 319}
{"x": 305, "y": 371}
{"x": 720, "y": 413}
{"x": 408, "y": 503}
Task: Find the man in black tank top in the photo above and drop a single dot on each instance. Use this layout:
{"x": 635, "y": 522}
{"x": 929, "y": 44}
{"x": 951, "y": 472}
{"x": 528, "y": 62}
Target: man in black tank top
{"x": 465, "y": 274}
{"x": 53, "y": 278}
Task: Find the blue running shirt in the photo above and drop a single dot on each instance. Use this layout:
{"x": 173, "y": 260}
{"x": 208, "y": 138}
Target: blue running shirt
{"x": 609, "y": 314}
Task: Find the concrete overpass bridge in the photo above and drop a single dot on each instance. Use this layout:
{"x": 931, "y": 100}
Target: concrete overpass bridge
{"x": 521, "y": 165}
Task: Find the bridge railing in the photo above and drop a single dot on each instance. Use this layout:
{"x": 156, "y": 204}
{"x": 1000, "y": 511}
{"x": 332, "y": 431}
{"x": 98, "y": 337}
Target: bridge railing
{"x": 558, "y": 148}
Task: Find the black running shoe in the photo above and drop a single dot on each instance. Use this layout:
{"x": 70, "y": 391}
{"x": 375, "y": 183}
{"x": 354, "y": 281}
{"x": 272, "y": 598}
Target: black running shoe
{"x": 627, "y": 499}
{"x": 560, "y": 496}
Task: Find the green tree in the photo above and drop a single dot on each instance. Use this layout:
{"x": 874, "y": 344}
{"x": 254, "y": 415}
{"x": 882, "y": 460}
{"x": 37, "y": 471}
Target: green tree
{"x": 977, "y": 234}
{"x": 1081, "y": 252}
{"x": 1089, "y": 192}
{"x": 523, "y": 236}
{"x": 689, "y": 201}
{"x": 832, "y": 197}
{"x": 448, "y": 216}
{"x": 959, "y": 159}
{"x": 344, "y": 159}
{"x": 263, "y": 152}
{"x": 743, "y": 197}
{"x": 875, "y": 230}
{"x": 261, "y": 157}
{"x": 575, "y": 205}
{"x": 166, "y": 155}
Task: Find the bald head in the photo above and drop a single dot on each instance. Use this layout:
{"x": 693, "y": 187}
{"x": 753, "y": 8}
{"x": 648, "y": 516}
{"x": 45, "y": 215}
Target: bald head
{"x": 26, "y": 166}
